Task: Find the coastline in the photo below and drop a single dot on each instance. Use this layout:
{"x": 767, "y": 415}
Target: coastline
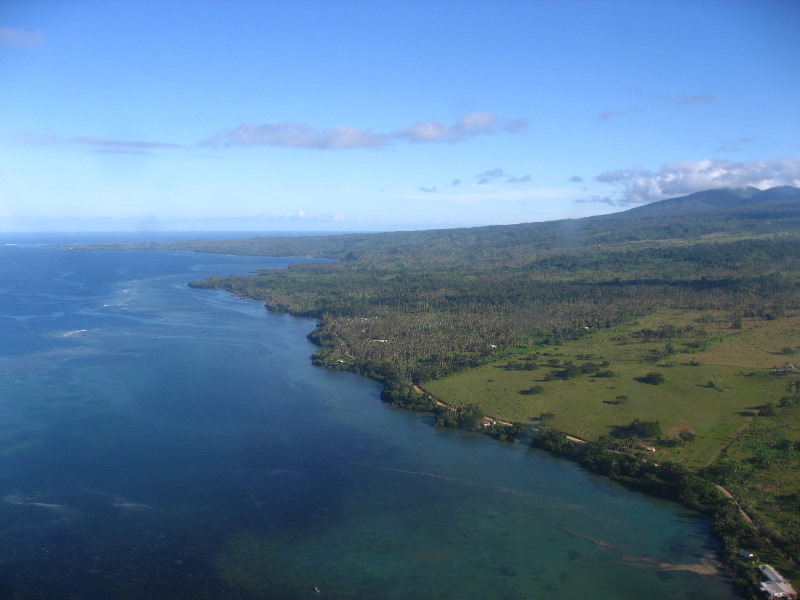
{"x": 417, "y": 289}
{"x": 723, "y": 513}
{"x": 721, "y": 510}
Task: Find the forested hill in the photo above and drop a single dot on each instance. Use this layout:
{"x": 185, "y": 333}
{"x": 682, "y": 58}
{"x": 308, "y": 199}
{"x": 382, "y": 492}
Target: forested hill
{"x": 742, "y": 200}
{"x": 445, "y": 300}
{"x": 745, "y": 211}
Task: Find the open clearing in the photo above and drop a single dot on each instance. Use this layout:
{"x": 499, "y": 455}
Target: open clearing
{"x": 718, "y": 374}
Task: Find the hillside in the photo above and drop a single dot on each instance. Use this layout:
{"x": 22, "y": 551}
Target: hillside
{"x": 444, "y": 300}
{"x": 743, "y": 212}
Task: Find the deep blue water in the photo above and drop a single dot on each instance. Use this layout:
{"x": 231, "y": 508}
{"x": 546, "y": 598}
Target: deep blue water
{"x": 160, "y": 442}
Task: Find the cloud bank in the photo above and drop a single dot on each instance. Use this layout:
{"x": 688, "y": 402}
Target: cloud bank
{"x": 304, "y": 215}
{"x": 302, "y": 135}
{"x": 639, "y": 185}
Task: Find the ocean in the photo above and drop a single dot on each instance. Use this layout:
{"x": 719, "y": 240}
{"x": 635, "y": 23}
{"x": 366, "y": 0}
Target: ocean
{"x": 161, "y": 442}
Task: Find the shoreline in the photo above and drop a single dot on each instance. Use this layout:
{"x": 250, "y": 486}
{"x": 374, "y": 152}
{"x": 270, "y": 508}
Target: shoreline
{"x": 731, "y": 567}
{"x": 717, "y": 511}
{"x": 723, "y": 565}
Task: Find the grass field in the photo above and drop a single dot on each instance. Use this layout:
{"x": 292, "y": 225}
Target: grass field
{"x": 717, "y": 377}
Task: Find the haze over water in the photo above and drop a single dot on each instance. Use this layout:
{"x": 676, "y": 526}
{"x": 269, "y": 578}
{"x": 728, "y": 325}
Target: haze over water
{"x": 163, "y": 442}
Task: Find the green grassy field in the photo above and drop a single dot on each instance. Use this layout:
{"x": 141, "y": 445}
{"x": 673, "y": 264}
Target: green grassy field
{"x": 713, "y": 391}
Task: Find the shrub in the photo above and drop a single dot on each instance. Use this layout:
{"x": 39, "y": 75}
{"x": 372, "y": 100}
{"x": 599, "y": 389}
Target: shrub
{"x": 768, "y": 410}
{"x": 638, "y": 429}
{"x": 536, "y": 389}
{"x": 546, "y": 417}
{"x": 652, "y": 378}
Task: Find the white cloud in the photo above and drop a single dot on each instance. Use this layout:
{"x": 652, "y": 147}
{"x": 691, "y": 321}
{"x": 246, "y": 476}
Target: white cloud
{"x": 428, "y": 131}
{"x": 19, "y": 38}
{"x": 296, "y": 135}
{"x": 638, "y": 185}
{"x": 476, "y": 123}
{"x": 302, "y": 135}
{"x": 305, "y": 216}
{"x": 468, "y": 125}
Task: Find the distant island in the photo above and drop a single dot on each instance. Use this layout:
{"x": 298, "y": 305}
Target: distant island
{"x": 658, "y": 346}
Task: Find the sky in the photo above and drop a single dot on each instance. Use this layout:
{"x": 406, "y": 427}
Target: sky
{"x": 332, "y": 115}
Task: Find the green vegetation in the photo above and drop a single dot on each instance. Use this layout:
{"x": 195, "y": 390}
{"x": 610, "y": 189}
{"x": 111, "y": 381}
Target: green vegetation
{"x": 653, "y": 378}
{"x": 588, "y": 406}
{"x": 660, "y": 338}
{"x": 760, "y": 467}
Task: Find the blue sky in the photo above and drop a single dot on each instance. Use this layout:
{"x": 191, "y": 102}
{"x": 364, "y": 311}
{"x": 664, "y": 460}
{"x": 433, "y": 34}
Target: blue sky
{"x": 358, "y": 116}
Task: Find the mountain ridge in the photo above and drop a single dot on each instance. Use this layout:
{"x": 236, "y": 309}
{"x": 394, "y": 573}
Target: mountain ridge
{"x": 721, "y": 212}
{"x": 718, "y": 198}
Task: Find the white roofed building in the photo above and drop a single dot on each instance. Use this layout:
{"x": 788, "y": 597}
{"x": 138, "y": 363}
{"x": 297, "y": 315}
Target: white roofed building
{"x": 775, "y": 586}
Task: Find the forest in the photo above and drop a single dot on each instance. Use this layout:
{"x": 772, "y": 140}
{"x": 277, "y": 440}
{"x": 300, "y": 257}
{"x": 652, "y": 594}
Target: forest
{"x": 435, "y": 302}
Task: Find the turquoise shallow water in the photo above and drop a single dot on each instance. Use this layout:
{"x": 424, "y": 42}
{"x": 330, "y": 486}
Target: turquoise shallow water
{"x": 161, "y": 442}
